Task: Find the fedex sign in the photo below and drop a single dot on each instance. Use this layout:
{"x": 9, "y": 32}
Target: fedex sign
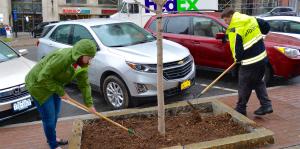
{"x": 183, "y": 5}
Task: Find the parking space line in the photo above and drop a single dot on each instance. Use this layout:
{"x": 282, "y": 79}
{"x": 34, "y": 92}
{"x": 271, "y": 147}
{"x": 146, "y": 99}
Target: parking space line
{"x": 221, "y": 88}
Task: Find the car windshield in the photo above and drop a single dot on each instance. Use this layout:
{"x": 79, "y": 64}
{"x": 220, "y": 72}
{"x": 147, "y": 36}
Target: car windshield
{"x": 6, "y": 53}
{"x": 122, "y": 34}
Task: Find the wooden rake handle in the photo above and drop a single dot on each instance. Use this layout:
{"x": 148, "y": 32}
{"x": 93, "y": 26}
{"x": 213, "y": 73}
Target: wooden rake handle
{"x": 81, "y": 106}
{"x": 218, "y": 78}
{"x": 210, "y": 85}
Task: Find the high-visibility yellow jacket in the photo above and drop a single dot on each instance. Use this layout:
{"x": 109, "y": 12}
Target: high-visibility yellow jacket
{"x": 246, "y": 39}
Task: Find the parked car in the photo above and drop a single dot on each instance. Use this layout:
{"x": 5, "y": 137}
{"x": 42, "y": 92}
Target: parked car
{"x": 14, "y": 98}
{"x": 125, "y": 63}
{"x": 37, "y": 30}
{"x": 280, "y": 11}
{"x": 204, "y": 36}
{"x": 287, "y": 25}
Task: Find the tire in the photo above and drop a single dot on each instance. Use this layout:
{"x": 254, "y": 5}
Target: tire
{"x": 114, "y": 86}
{"x": 268, "y": 74}
{"x": 34, "y": 35}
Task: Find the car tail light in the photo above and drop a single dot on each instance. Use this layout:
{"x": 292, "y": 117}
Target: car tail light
{"x": 37, "y": 43}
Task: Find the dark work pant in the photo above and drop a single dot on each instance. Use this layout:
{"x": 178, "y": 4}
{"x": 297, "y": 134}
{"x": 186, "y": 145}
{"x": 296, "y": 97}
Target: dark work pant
{"x": 49, "y": 111}
{"x": 251, "y": 77}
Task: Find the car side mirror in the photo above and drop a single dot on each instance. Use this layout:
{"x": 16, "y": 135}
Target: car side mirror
{"x": 220, "y": 36}
{"x": 23, "y": 52}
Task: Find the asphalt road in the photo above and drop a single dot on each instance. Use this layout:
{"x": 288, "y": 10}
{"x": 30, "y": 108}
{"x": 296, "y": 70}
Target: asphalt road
{"x": 226, "y": 85}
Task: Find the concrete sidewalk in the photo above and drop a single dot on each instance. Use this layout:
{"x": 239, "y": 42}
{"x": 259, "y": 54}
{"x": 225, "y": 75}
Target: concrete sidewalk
{"x": 284, "y": 122}
{"x": 24, "y": 40}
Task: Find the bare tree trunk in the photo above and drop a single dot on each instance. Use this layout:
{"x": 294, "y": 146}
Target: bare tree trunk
{"x": 160, "y": 83}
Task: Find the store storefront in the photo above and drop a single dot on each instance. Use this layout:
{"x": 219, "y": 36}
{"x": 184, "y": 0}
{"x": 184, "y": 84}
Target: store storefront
{"x": 28, "y": 14}
{"x": 74, "y": 13}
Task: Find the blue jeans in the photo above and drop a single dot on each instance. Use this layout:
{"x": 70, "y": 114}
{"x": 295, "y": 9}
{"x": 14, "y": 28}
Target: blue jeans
{"x": 49, "y": 112}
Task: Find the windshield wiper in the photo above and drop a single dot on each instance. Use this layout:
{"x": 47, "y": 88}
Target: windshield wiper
{"x": 117, "y": 46}
{"x": 143, "y": 41}
{"x": 134, "y": 43}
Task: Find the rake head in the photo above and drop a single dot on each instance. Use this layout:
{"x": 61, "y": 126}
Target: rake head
{"x": 136, "y": 133}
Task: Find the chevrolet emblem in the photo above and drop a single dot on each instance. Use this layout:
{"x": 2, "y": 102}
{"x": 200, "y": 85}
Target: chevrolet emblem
{"x": 180, "y": 62}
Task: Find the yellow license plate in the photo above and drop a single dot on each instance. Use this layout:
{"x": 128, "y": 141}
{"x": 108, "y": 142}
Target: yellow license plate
{"x": 186, "y": 84}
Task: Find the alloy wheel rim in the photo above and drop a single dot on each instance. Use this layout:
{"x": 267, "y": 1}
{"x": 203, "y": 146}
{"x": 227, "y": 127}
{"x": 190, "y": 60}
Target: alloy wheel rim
{"x": 114, "y": 94}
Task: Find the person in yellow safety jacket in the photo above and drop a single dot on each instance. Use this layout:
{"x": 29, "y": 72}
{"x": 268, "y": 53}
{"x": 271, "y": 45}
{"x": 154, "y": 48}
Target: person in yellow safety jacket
{"x": 245, "y": 34}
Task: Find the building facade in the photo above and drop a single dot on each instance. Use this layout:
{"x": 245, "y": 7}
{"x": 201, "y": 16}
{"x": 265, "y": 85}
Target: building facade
{"x": 23, "y": 15}
{"x": 5, "y": 10}
{"x": 54, "y": 10}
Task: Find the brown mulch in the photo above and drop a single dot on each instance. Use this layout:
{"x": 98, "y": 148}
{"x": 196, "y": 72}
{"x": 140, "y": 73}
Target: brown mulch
{"x": 181, "y": 129}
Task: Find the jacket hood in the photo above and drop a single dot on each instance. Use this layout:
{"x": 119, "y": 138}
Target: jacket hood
{"x": 83, "y": 47}
{"x": 239, "y": 20}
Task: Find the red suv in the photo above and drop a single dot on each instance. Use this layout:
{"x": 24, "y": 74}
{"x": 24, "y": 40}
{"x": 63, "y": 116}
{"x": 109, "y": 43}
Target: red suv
{"x": 203, "y": 35}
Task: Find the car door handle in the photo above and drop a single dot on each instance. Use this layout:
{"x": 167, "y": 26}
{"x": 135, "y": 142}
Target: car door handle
{"x": 50, "y": 45}
{"x": 196, "y": 42}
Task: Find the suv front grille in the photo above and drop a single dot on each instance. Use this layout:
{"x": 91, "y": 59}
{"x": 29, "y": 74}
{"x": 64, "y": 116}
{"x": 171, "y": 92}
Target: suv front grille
{"x": 13, "y": 93}
{"x": 178, "y": 72}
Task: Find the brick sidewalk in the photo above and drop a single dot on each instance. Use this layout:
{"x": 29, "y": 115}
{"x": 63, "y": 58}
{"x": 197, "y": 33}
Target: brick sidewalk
{"x": 284, "y": 122}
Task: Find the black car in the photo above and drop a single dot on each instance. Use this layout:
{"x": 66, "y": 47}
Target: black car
{"x": 280, "y": 11}
{"x": 37, "y": 30}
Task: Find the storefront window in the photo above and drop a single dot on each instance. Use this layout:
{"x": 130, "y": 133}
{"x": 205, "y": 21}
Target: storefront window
{"x": 29, "y": 14}
{"x": 28, "y": 6}
{"x": 107, "y": 2}
{"x": 76, "y": 1}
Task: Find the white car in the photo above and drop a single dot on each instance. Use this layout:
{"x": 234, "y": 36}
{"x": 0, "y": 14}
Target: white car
{"x": 125, "y": 63}
{"x": 14, "y": 98}
{"x": 286, "y": 25}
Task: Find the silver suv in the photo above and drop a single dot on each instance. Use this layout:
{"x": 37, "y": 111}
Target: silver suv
{"x": 14, "y": 98}
{"x": 125, "y": 63}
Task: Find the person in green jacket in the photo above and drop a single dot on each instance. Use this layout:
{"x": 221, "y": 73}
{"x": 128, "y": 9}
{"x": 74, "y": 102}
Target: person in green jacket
{"x": 46, "y": 80}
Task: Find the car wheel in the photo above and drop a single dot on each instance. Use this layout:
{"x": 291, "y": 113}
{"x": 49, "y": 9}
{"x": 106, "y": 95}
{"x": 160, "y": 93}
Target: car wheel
{"x": 34, "y": 35}
{"x": 115, "y": 92}
{"x": 268, "y": 74}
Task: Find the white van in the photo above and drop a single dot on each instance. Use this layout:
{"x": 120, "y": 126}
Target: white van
{"x": 129, "y": 10}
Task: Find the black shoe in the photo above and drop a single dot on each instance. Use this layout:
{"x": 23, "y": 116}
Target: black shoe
{"x": 241, "y": 111}
{"x": 263, "y": 110}
{"x": 62, "y": 142}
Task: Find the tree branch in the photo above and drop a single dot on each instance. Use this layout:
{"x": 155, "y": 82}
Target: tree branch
{"x": 145, "y": 7}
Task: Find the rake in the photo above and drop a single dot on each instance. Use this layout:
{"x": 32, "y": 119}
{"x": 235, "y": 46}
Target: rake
{"x": 208, "y": 87}
{"x": 81, "y": 106}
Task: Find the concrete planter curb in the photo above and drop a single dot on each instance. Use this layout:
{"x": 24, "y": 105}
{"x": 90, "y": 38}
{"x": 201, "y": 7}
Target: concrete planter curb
{"x": 257, "y": 136}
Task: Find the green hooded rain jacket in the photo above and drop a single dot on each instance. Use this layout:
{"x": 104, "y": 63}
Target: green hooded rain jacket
{"x": 53, "y": 72}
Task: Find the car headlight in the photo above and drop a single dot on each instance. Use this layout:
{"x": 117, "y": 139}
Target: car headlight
{"x": 150, "y": 68}
{"x": 289, "y": 52}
